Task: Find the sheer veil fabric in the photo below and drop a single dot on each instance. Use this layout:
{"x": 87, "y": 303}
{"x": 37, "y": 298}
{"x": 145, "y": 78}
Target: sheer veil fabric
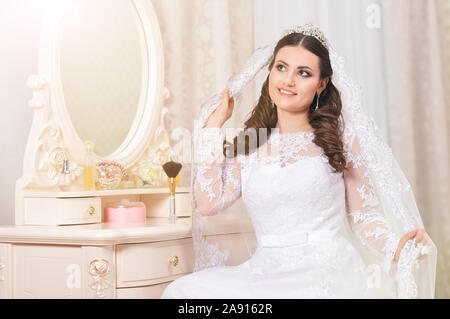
{"x": 384, "y": 211}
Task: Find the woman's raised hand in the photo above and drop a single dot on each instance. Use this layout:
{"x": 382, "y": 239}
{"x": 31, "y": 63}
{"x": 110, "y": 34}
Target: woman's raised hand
{"x": 223, "y": 112}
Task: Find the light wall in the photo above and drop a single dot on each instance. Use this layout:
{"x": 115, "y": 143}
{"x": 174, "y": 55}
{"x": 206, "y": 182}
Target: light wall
{"x": 19, "y": 33}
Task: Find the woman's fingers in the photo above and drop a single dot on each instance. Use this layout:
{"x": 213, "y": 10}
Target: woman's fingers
{"x": 225, "y": 94}
{"x": 403, "y": 241}
{"x": 420, "y": 236}
{"x": 227, "y": 104}
{"x": 409, "y": 235}
{"x": 422, "y": 239}
{"x": 226, "y": 97}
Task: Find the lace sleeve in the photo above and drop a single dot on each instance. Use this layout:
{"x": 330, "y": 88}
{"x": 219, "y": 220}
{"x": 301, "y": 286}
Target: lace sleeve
{"x": 217, "y": 183}
{"x": 365, "y": 216}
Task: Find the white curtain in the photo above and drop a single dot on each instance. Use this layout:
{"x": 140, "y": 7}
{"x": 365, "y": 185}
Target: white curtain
{"x": 417, "y": 66}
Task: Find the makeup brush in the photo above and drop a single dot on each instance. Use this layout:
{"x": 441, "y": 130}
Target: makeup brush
{"x": 172, "y": 169}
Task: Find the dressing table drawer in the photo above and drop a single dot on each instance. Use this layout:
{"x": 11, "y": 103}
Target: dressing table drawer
{"x": 146, "y": 292}
{"x": 62, "y": 211}
{"x": 152, "y": 263}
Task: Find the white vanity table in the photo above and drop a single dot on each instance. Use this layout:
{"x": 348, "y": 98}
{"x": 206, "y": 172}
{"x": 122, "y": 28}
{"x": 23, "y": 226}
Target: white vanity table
{"x": 103, "y": 260}
{"x": 59, "y": 247}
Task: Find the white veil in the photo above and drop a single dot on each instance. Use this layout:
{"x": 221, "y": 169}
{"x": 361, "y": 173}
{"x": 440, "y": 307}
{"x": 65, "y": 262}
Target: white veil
{"x": 410, "y": 277}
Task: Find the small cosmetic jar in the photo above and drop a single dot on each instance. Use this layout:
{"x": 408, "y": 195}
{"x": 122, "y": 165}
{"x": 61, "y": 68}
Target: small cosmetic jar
{"x": 125, "y": 212}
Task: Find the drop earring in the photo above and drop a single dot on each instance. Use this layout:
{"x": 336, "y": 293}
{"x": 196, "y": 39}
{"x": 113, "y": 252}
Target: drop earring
{"x": 317, "y": 102}
{"x": 273, "y": 105}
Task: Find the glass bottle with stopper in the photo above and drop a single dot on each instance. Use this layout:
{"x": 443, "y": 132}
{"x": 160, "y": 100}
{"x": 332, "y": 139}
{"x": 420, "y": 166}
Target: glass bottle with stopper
{"x": 64, "y": 177}
{"x": 172, "y": 169}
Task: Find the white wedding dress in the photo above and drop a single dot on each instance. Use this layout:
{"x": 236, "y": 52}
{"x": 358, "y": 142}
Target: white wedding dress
{"x": 299, "y": 209}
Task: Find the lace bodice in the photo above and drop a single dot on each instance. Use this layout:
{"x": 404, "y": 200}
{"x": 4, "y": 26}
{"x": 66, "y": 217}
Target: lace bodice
{"x": 294, "y": 190}
{"x": 288, "y": 186}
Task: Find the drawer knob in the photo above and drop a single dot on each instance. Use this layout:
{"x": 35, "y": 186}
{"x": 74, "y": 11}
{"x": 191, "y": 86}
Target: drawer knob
{"x": 174, "y": 261}
{"x": 91, "y": 210}
{"x": 99, "y": 267}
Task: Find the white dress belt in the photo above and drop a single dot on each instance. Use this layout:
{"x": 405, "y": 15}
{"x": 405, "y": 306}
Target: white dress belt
{"x": 297, "y": 238}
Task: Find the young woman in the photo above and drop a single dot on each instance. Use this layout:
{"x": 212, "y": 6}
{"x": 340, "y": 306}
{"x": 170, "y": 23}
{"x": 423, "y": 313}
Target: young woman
{"x": 324, "y": 213}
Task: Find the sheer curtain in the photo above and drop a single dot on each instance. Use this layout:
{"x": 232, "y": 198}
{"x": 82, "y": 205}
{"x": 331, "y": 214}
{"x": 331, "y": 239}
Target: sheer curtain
{"x": 417, "y": 66}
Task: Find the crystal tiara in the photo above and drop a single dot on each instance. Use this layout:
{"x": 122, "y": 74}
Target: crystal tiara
{"x": 311, "y": 30}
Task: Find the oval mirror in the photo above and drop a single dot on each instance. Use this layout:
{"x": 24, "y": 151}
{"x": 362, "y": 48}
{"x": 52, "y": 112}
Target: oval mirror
{"x": 103, "y": 66}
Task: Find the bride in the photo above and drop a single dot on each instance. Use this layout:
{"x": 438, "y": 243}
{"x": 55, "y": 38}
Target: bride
{"x": 333, "y": 214}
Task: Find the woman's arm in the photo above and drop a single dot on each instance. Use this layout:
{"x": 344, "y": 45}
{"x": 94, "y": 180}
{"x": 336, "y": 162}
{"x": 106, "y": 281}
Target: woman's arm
{"x": 365, "y": 215}
{"x": 217, "y": 182}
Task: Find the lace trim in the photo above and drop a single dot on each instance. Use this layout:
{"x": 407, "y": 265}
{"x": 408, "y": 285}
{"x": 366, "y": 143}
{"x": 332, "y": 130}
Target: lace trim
{"x": 285, "y": 150}
{"x": 206, "y": 254}
{"x": 407, "y": 263}
{"x": 206, "y": 184}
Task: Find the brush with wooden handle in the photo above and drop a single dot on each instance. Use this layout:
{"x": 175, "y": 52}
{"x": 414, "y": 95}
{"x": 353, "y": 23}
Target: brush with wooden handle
{"x": 172, "y": 169}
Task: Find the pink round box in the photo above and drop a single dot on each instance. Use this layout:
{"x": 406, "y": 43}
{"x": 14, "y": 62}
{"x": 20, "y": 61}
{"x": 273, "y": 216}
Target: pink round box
{"x": 125, "y": 212}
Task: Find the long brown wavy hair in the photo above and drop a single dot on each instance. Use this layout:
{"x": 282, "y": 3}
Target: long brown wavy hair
{"x": 325, "y": 120}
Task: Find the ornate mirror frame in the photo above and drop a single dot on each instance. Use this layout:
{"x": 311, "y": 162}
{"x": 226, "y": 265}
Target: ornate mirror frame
{"x": 52, "y": 135}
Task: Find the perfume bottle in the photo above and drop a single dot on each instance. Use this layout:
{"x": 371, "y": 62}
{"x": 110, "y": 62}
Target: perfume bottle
{"x": 89, "y": 171}
{"x": 64, "y": 178}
